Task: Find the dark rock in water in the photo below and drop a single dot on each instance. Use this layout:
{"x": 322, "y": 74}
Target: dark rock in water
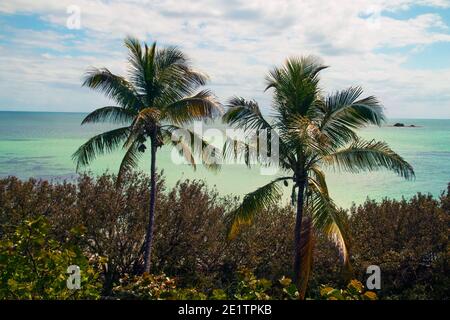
{"x": 402, "y": 125}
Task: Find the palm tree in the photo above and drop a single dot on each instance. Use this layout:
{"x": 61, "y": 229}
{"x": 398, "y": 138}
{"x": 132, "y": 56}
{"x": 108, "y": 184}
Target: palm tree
{"x": 157, "y": 98}
{"x": 314, "y": 132}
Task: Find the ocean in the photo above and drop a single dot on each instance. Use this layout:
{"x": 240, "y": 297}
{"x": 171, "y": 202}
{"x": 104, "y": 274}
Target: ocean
{"x": 40, "y": 145}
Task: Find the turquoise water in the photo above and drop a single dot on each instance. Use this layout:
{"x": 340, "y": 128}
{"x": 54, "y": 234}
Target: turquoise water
{"x": 40, "y": 145}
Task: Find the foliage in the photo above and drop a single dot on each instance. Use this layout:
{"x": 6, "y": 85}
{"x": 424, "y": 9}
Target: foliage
{"x": 408, "y": 240}
{"x": 246, "y": 287}
{"x": 144, "y": 287}
{"x": 249, "y": 287}
{"x": 353, "y": 291}
{"x": 161, "y": 287}
{"x": 34, "y": 266}
{"x": 191, "y": 242}
{"x": 289, "y": 289}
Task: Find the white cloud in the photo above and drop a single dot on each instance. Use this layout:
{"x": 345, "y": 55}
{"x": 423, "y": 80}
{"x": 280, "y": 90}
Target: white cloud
{"x": 237, "y": 41}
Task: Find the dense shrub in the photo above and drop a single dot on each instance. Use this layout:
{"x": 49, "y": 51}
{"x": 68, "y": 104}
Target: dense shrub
{"x": 34, "y": 266}
{"x": 157, "y": 287}
{"x": 407, "y": 239}
{"x": 246, "y": 287}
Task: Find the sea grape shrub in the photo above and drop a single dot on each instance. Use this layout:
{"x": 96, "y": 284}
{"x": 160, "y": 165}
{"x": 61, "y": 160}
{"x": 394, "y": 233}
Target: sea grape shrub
{"x": 154, "y": 287}
{"x": 248, "y": 287}
{"x": 408, "y": 240}
{"x": 34, "y": 266}
{"x": 161, "y": 287}
{"x": 145, "y": 287}
{"x": 354, "y": 291}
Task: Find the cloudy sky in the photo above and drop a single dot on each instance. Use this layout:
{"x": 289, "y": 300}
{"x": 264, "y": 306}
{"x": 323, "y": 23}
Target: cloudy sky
{"x": 398, "y": 50}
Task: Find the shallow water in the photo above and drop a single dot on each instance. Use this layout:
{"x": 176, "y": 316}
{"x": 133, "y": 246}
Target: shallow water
{"x": 40, "y": 145}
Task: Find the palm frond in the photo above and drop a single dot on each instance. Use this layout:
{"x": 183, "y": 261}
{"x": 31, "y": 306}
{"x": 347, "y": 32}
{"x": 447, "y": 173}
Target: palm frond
{"x": 245, "y": 114}
{"x": 113, "y": 86}
{"x": 110, "y": 114}
{"x": 137, "y": 63}
{"x": 295, "y": 86}
{"x": 150, "y": 74}
{"x": 254, "y": 202}
{"x": 319, "y": 178}
{"x": 173, "y": 65}
{"x": 295, "y": 68}
{"x": 341, "y": 113}
{"x": 183, "y": 148}
{"x": 238, "y": 151}
{"x": 371, "y": 155}
{"x": 202, "y": 105}
{"x": 193, "y": 146}
{"x": 136, "y": 56}
{"x": 130, "y": 160}
{"x": 175, "y": 77}
{"x": 328, "y": 219}
{"x": 100, "y": 144}
{"x": 299, "y": 132}
{"x": 249, "y": 149}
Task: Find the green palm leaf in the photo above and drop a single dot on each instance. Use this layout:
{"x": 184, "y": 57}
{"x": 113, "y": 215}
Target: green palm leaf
{"x": 196, "y": 146}
{"x": 295, "y": 86}
{"x": 202, "y": 105}
{"x": 100, "y": 144}
{"x": 328, "y": 219}
{"x": 341, "y": 113}
{"x": 319, "y": 179}
{"x": 130, "y": 160}
{"x": 369, "y": 156}
{"x": 136, "y": 63}
{"x": 245, "y": 114}
{"x": 240, "y": 152}
{"x": 254, "y": 202}
{"x": 175, "y": 72}
{"x": 113, "y": 86}
{"x": 110, "y": 114}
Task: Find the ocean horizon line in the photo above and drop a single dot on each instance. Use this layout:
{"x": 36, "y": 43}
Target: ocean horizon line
{"x": 87, "y": 112}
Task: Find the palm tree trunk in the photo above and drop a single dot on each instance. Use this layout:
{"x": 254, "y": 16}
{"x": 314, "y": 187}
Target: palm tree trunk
{"x": 298, "y": 229}
{"x": 151, "y": 217}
